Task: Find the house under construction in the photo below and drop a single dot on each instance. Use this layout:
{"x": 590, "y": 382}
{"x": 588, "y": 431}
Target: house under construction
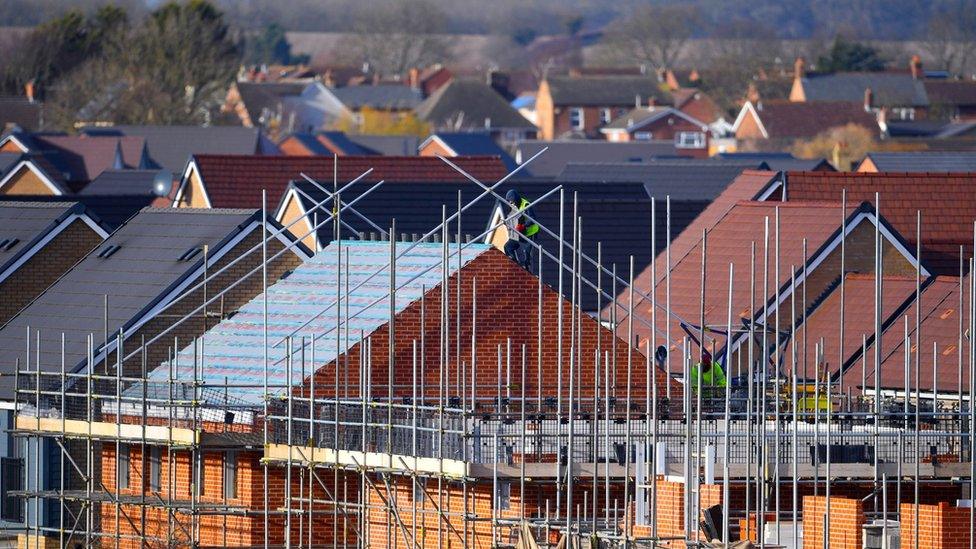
{"x": 433, "y": 393}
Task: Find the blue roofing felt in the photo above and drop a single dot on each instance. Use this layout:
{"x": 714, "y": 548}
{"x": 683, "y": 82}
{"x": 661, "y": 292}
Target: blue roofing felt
{"x": 302, "y": 305}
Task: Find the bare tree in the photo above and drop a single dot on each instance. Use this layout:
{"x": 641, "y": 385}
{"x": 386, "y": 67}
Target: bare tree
{"x": 400, "y": 36}
{"x": 652, "y": 35}
{"x": 951, "y": 37}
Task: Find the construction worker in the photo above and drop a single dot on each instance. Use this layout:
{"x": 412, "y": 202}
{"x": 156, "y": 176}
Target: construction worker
{"x": 711, "y": 373}
{"x": 521, "y": 229}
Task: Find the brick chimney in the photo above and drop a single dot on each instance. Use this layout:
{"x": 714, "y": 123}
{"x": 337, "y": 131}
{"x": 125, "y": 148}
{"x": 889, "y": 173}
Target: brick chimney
{"x": 752, "y": 93}
{"x": 29, "y": 90}
{"x": 413, "y": 78}
{"x": 868, "y": 99}
{"x": 915, "y": 65}
{"x": 799, "y": 68}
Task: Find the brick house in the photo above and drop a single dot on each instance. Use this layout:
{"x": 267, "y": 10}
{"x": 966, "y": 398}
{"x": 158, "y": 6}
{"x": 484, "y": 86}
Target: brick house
{"x": 581, "y": 106}
{"x": 490, "y": 285}
{"x": 690, "y": 136}
{"x": 40, "y": 241}
{"x": 772, "y": 125}
{"x": 901, "y": 93}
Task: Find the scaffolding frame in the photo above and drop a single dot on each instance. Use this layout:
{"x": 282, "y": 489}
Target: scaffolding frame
{"x": 610, "y": 446}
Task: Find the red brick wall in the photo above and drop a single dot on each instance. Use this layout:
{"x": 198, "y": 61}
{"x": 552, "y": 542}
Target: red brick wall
{"x": 941, "y": 526}
{"x": 234, "y": 530}
{"x": 846, "y": 520}
{"x": 507, "y": 307}
{"x": 671, "y": 508}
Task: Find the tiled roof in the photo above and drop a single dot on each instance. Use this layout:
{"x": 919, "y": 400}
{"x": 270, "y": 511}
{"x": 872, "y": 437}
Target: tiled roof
{"x": 779, "y": 161}
{"x": 921, "y": 162}
{"x": 561, "y": 152}
{"x": 22, "y": 224}
{"x": 378, "y": 96}
{"x": 745, "y": 187}
{"x": 730, "y": 241}
{"x": 473, "y": 144}
{"x": 111, "y": 210}
{"x": 789, "y": 119}
{"x": 947, "y": 203}
{"x": 680, "y": 179}
{"x": 940, "y": 327}
{"x": 951, "y": 92}
{"x": 464, "y": 104}
{"x": 823, "y": 321}
{"x": 891, "y": 89}
{"x": 640, "y": 116}
{"x": 170, "y": 147}
{"x": 82, "y": 157}
{"x": 237, "y": 181}
{"x": 20, "y": 111}
{"x": 122, "y": 182}
{"x": 606, "y": 91}
{"x": 235, "y": 348}
{"x": 137, "y": 276}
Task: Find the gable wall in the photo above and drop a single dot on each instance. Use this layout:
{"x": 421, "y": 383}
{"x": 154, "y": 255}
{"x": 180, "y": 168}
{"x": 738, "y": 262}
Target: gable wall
{"x": 749, "y": 128}
{"x": 46, "y": 266}
{"x": 25, "y": 182}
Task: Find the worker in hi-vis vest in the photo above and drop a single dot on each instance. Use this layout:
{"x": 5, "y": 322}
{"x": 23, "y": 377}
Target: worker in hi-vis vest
{"x": 521, "y": 229}
{"x": 711, "y": 373}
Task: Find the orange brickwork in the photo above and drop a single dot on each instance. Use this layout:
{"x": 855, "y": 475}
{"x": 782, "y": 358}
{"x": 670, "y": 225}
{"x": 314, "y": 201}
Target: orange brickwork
{"x": 234, "y": 528}
{"x": 942, "y": 526}
{"x": 846, "y": 520}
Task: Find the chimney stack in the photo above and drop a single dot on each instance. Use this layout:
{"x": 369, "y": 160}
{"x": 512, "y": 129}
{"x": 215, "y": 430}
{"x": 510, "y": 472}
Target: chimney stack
{"x": 29, "y": 90}
{"x": 799, "y": 68}
{"x": 916, "y": 67}
{"x": 413, "y": 78}
{"x": 868, "y": 99}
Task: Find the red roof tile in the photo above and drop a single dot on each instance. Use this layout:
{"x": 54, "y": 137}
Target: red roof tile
{"x": 236, "y": 181}
{"x": 788, "y": 119}
{"x": 730, "y": 241}
{"x": 947, "y": 203}
{"x": 940, "y": 327}
{"x": 823, "y": 322}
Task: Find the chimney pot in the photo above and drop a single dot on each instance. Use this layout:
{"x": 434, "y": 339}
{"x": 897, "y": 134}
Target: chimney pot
{"x": 799, "y": 68}
{"x": 915, "y": 65}
{"x": 868, "y": 99}
{"x": 29, "y": 90}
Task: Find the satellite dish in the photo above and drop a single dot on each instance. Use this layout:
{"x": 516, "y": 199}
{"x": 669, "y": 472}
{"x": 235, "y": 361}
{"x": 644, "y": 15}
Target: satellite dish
{"x": 162, "y": 183}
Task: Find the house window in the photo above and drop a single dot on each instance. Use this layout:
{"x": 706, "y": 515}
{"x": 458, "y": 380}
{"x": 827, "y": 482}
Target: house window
{"x": 230, "y": 475}
{"x": 12, "y": 477}
{"x": 689, "y": 140}
{"x": 504, "y": 496}
{"x": 605, "y": 116}
{"x": 155, "y": 468}
{"x": 123, "y": 472}
{"x": 576, "y": 118}
{"x": 903, "y": 113}
{"x": 643, "y": 136}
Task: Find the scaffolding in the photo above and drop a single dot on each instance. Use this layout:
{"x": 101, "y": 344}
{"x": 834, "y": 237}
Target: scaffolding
{"x": 329, "y": 452}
